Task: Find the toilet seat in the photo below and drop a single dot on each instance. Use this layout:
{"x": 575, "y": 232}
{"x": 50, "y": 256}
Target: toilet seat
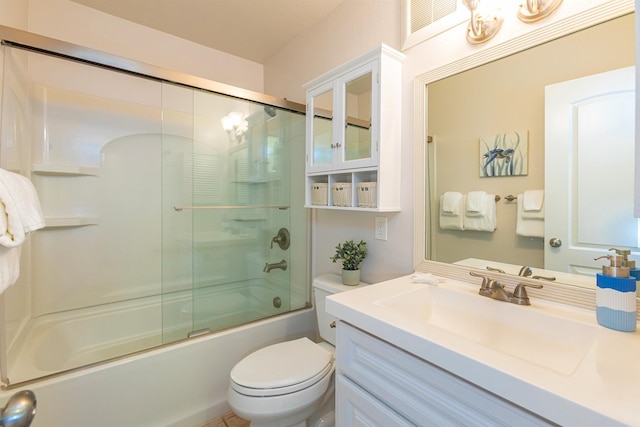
{"x": 282, "y": 368}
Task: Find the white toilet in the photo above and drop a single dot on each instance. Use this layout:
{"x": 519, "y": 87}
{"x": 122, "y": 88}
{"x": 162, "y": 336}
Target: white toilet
{"x": 290, "y": 384}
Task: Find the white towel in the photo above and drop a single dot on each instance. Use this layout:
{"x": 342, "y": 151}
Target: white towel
{"x": 533, "y": 204}
{"x": 486, "y": 222}
{"x": 475, "y": 204}
{"x": 20, "y": 214}
{"x": 451, "y": 203}
{"x": 528, "y": 227}
{"x": 448, "y": 221}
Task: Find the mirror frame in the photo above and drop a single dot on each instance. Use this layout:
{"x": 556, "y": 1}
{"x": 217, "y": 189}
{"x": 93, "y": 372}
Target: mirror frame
{"x": 553, "y": 30}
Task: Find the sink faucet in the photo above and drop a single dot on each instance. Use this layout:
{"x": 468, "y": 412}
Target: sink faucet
{"x": 281, "y": 265}
{"x": 493, "y": 289}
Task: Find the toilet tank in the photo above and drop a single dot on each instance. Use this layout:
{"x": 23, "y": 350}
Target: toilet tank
{"x": 323, "y": 286}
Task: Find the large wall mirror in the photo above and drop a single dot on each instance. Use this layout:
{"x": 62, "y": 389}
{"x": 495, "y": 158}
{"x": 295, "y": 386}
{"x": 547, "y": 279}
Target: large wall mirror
{"x": 507, "y": 97}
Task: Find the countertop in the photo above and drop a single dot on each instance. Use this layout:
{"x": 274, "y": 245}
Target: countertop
{"x": 603, "y": 389}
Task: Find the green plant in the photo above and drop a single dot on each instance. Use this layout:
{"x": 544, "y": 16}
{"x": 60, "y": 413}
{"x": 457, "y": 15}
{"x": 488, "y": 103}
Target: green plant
{"x": 351, "y": 254}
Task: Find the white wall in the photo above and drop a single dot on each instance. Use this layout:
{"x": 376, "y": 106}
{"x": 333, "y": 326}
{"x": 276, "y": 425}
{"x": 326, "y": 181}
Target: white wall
{"x": 74, "y": 23}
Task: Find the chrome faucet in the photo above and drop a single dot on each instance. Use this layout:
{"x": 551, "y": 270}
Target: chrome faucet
{"x": 282, "y": 265}
{"x": 493, "y": 289}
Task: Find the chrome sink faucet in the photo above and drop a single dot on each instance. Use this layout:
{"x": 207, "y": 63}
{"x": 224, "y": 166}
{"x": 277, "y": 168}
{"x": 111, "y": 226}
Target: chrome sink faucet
{"x": 493, "y": 289}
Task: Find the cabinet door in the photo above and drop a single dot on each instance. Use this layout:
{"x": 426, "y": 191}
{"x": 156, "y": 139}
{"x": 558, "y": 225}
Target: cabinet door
{"x": 355, "y": 122}
{"x": 356, "y": 407}
{"x": 320, "y": 131}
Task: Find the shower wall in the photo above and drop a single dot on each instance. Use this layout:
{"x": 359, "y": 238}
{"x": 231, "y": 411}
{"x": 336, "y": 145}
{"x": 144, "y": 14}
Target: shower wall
{"x": 157, "y": 213}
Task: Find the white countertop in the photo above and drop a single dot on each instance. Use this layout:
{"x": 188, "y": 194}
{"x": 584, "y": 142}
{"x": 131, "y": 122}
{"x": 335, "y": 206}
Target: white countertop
{"x": 602, "y": 390}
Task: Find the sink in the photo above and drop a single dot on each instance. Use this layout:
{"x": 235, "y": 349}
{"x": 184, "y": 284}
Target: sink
{"x": 553, "y": 342}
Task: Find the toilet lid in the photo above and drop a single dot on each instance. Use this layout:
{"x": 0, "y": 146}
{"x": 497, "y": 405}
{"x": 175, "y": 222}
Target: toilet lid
{"x": 290, "y": 363}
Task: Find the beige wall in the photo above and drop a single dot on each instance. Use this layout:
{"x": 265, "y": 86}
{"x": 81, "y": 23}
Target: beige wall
{"x": 504, "y": 96}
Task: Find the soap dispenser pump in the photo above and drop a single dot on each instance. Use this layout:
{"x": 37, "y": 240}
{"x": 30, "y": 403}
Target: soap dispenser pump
{"x": 633, "y": 270}
{"x": 616, "y": 294}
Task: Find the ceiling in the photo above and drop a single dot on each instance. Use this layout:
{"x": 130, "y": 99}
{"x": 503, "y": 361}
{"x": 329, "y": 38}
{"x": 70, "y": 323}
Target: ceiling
{"x": 250, "y": 29}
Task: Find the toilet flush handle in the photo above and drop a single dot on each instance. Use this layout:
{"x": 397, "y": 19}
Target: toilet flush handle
{"x": 332, "y": 324}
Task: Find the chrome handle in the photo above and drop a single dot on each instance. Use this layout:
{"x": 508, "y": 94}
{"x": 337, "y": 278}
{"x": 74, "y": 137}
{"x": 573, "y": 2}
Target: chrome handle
{"x": 555, "y": 242}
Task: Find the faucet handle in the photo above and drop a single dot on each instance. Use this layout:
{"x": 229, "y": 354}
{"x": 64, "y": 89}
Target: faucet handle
{"x": 520, "y": 296}
{"x": 487, "y": 283}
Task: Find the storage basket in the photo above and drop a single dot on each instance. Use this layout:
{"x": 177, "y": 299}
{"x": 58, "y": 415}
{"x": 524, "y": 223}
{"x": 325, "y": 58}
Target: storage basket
{"x": 319, "y": 194}
{"x": 341, "y": 194}
{"x": 367, "y": 194}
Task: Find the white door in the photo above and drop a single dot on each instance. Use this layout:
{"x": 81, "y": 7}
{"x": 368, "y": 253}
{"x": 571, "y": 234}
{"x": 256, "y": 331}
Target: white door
{"x": 589, "y": 170}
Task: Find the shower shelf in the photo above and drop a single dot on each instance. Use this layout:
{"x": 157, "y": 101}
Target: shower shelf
{"x": 64, "y": 170}
{"x": 71, "y": 221}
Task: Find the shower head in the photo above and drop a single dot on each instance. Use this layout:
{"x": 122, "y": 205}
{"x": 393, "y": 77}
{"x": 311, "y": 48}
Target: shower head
{"x": 20, "y": 410}
{"x": 271, "y": 111}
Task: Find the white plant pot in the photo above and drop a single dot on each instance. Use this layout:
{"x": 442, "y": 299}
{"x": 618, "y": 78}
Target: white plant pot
{"x": 351, "y": 277}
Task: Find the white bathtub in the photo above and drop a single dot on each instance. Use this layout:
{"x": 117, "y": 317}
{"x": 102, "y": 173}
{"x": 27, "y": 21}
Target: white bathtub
{"x": 181, "y": 385}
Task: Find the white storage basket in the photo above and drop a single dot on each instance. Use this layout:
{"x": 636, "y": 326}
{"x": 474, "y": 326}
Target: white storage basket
{"x": 367, "y": 194}
{"x": 319, "y": 194}
{"x": 341, "y": 194}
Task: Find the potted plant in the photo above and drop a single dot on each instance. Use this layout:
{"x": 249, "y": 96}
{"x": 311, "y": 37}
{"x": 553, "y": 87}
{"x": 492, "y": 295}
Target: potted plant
{"x": 351, "y": 254}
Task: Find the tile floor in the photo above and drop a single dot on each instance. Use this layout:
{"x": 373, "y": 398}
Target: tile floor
{"x": 227, "y": 420}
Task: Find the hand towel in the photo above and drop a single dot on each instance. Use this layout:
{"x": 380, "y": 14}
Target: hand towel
{"x": 528, "y": 227}
{"x": 448, "y": 221}
{"x": 486, "y": 222}
{"x": 450, "y": 203}
{"x": 532, "y": 200}
{"x": 533, "y": 204}
{"x": 474, "y": 205}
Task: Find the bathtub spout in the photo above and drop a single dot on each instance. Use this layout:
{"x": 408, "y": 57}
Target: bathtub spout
{"x": 281, "y": 265}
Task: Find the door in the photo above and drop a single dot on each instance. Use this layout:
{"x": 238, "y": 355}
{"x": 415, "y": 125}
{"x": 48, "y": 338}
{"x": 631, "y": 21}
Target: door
{"x": 589, "y": 170}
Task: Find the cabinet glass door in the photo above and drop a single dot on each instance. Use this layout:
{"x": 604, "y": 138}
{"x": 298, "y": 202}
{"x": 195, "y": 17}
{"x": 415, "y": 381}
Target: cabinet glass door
{"x": 357, "y": 132}
{"x": 322, "y": 134}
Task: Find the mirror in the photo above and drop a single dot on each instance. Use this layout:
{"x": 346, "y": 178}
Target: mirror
{"x": 322, "y": 128}
{"x": 358, "y": 121}
{"x": 503, "y": 96}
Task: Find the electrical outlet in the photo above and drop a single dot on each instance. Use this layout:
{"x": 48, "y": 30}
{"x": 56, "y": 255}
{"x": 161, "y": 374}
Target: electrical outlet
{"x": 381, "y": 228}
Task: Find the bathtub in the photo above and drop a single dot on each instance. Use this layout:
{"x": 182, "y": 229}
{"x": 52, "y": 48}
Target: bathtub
{"x": 189, "y": 377}
{"x": 180, "y": 385}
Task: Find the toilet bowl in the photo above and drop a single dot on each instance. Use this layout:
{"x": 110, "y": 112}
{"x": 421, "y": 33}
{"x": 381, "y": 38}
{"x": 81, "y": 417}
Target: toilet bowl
{"x": 290, "y": 384}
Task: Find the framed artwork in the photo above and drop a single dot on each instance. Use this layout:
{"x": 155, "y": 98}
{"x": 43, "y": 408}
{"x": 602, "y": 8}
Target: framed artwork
{"x": 504, "y": 154}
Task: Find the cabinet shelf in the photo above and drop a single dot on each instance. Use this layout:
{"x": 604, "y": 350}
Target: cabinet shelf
{"x": 64, "y": 170}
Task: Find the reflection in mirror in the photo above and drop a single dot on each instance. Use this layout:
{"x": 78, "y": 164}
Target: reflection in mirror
{"x": 358, "y": 121}
{"x": 501, "y": 97}
{"x": 322, "y": 128}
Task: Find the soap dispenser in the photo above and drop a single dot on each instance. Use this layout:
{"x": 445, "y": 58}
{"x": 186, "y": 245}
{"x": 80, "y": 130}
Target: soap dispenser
{"x": 616, "y": 294}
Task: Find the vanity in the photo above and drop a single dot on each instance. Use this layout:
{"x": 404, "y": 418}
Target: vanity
{"x": 411, "y": 353}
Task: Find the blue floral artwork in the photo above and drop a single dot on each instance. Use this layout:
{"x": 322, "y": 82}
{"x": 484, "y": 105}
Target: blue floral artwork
{"x": 504, "y": 154}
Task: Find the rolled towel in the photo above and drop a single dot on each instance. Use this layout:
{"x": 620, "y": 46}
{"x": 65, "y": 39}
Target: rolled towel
{"x": 475, "y": 204}
{"x": 528, "y": 227}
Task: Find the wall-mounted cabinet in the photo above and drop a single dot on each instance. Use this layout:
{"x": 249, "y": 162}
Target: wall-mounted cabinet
{"x": 353, "y": 134}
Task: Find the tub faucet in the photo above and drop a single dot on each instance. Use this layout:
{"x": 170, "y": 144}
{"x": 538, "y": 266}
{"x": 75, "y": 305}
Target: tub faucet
{"x": 281, "y": 265}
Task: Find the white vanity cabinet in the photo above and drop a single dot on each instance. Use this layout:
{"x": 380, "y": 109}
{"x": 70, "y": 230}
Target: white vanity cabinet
{"x": 353, "y": 134}
{"x": 378, "y": 384}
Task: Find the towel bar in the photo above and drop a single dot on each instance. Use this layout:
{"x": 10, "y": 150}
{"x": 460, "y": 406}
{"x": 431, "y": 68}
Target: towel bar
{"x": 181, "y": 208}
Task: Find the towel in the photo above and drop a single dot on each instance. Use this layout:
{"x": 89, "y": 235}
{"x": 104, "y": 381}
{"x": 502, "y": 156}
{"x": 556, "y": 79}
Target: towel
{"x": 449, "y": 220}
{"x": 528, "y": 227}
{"x": 20, "y": 214}
{"x": 533, "y": 204}
{"x": 474, "y": 205}
{"x": 450, "y": 203}
{"x": 485, "y": 222}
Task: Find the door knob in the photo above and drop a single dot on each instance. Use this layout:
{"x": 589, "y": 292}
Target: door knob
{"x": 555, "y": 242}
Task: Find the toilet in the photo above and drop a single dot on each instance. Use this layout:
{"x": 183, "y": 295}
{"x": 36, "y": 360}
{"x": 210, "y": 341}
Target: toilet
{"x": 290, "y": 384}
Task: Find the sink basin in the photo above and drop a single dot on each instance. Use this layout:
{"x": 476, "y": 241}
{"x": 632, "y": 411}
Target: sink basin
{"x": 529, "y": 334}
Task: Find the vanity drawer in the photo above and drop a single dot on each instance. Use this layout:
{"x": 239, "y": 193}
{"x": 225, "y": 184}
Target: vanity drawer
{"x": 418, "y": 390}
